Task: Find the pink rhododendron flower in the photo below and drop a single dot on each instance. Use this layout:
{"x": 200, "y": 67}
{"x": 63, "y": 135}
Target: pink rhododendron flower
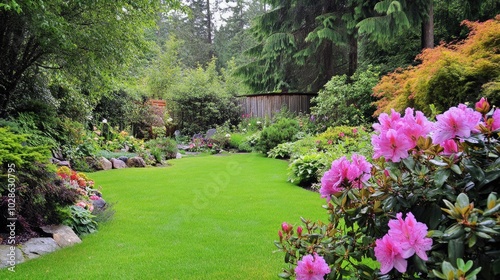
{"x": 388, "y": 254}
{"x": 332, "y": 179}
{"x": 415, "y": 126}
{"x": 495, "y": 123}
{"x": 343, "y": 170}
{"x": 482, "y": 106}
{"x": 391, "y": 145}
{"x": 450, "y": 147}
{"x": 457, "y": 121}
{"x": 359, "y": 170}
{"x": 410, "y": 235}
{"x": 311, "y": 267}
{"x": 94, "y": 197}
{"x": 387, "y": 122}
{"x": 286, "y": 227}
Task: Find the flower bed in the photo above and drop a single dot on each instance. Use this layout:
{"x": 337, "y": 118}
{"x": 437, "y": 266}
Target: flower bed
{"x": 426, "y": 207}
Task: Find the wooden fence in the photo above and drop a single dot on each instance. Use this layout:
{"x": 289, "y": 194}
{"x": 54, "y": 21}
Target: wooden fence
{"x": 267, "y": 104}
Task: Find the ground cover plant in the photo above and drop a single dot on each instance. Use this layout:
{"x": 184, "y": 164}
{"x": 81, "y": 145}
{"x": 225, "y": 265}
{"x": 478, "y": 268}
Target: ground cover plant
{"x": 205, "y": 217}
{"x": 426, "y": 207}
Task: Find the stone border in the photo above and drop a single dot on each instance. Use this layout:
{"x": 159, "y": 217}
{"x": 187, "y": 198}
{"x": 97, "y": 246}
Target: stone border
{"x": 62, "y": 236}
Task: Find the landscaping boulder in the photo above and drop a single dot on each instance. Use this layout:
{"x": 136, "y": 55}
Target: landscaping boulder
{"x": 136, "y": 162}
{"x": 36, "y": 247}
{"x": 123, "y": 158}
{"x": 117, "y": 164}
{"x": 99, "y": 204}
{"x": 8, "y": 257}
{"x": 63, "y": 235}
{"x": 178, "y": 155}
{"x": 105, "y": 163}
{"x": 60, "y": 162}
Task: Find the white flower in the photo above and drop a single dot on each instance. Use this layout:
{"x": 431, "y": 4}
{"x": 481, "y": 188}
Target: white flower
{"x": 228, "y": 135}
{"x": 170, "y": 120}
{"x": 104, "y": 121}
{"x": 259, "y": 122}
{"x": 244, "y": 130}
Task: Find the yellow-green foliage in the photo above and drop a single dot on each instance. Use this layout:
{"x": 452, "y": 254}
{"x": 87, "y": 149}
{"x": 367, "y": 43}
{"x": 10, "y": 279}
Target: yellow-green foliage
{"x": 14, "y": 150}
{"x": 448, "y": 75}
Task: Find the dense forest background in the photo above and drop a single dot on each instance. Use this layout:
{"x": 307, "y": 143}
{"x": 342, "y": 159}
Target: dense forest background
{"x": 84, "y": 61}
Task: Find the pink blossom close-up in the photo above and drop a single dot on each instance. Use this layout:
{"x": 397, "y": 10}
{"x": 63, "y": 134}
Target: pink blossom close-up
{"x": 495, "y": 123}
{"x": 359, "y": 171}
{"x": 450, "y": 147}
{"x": 415, "y": 125}
{"x": 332, "y": 179}
{"x": 392, "y": 145}
{"x": 457, "y": 121}
{"x": 355, "y": 173}
{"x": 386, "y": 122}
{"x": 410, "y": 235}
{"x": 311, "y": 267}
{"x": 388, "y": 254}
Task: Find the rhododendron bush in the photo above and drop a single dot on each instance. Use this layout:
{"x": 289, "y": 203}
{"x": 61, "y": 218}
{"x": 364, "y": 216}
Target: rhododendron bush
{"x": 425, "y": 206}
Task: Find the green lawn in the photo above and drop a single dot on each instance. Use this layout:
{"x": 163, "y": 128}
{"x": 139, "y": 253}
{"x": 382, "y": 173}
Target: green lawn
{"x": 207, "y": 217}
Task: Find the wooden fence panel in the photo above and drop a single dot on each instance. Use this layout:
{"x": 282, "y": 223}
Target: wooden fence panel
{"x": 266, "y": 105}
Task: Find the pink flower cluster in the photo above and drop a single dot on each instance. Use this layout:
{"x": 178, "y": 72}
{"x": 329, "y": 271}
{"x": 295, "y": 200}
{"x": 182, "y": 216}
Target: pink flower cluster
{"x": 404, "y": 239}
{"x": 396, "y": 134}
{"x": 311, "y": 267}
{"x": 344, "y": 172}
{"x": 457, "y": 121}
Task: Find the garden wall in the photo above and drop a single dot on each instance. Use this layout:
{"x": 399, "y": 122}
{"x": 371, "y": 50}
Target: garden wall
{"x": 267, "y": 104}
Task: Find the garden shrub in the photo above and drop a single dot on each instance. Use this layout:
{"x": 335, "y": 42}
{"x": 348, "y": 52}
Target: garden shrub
{"x": 305, "y": 170}
{"x": 162, "y": 148}
{"x": 345, "y": 100}
{"x": 284, "y": 130}
{"x": 199, "y": 101}
{"x": 283, "y": 150}
{"x": 448, "y": 75}
{"x": 427, "y": 207}
{"x": 38, "y": 191}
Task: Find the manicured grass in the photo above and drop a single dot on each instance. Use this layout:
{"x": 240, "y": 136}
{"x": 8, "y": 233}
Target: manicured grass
{"x": 211, "y": 217}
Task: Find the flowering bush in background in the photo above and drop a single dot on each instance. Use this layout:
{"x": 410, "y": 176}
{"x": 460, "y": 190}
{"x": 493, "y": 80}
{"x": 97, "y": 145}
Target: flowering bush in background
{"x": 426, "y": 207}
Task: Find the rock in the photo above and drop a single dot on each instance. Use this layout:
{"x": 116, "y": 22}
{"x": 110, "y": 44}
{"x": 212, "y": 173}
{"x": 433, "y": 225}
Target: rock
{"x": 178, "y": 155}
{"x": 60, "y": 162}
{"x": 105, "y": 163}
{"x": 36, "y": 247}
{"x": 99, "y": 204}
{"x": 123, "y": 158}
{"x": 136, "y": 162}
{"x": 117, "y": 164}
{"x": 63, "y": 235}
{"x": 10, "y": 256}
{"x": 64, "y": 163}
{"x": 210, "y": 133}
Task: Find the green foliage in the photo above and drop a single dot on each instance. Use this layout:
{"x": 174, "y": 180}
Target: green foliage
{"x": 59, "y": 41}
{"x": 346, "y": 101}
{"x": 81, "y": 220}
{"x": 13, "y": 149}
{"x": 199, "y": 101}
{"x": 162, "y": 148}
{"x": 284, "y": 130}
{"x": 305, "y": 170}
{"x": 282, "y": 150}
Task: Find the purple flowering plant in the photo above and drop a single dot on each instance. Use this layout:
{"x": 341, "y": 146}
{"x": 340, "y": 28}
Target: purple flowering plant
{"x": 425, "y": 206}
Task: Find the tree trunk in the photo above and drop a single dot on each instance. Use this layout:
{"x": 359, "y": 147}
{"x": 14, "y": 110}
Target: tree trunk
{"x": 209, "y": 23}
{"x": 428, "y": 28}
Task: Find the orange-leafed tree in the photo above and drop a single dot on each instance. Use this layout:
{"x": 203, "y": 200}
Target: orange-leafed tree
{"x": 448, "y": 74}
